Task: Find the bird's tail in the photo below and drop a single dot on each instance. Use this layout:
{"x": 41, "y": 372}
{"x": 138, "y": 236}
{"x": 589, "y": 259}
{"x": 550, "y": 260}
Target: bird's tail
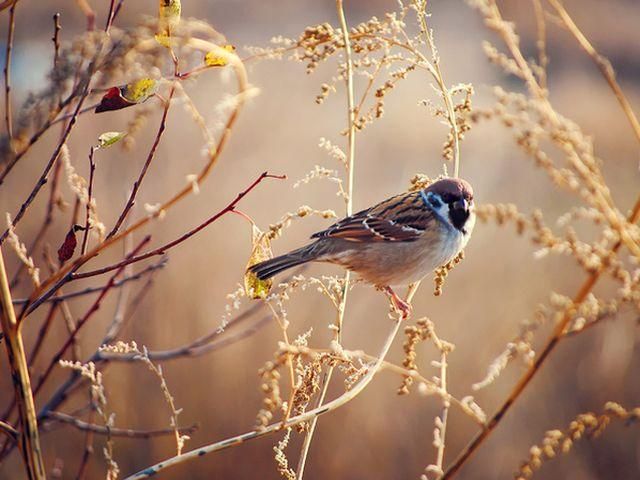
{"x": 269, "y": 268}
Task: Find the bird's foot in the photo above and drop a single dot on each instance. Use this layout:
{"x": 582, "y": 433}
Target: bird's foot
{"x": 398, "y": 304}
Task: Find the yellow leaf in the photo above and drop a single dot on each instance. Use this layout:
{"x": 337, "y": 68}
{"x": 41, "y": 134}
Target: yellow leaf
{"x": 260, "y": 251}
{"x": 109, "y": 138}
{"x": 214, "y": 59}
{"x": 140, "y": 90}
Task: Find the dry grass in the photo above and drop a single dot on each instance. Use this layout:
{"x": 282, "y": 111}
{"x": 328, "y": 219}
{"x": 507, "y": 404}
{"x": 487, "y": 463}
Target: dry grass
{"x": 162, "y": 62}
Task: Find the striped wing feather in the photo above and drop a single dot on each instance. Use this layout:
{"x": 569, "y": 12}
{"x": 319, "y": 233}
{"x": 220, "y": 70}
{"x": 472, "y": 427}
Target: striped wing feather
{"x": 402, "y": 218}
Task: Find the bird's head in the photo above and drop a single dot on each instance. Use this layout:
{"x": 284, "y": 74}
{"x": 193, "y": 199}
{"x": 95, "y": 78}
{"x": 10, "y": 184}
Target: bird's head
{"x": 452, "y": 199}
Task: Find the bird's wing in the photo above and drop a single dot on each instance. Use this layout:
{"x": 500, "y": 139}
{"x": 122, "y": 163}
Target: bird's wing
{"x": 402, "y": 218}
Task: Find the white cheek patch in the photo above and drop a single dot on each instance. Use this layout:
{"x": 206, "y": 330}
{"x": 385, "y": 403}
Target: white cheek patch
{"x": 434, "y": 203}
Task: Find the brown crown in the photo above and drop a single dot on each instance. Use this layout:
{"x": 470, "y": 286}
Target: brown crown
{"x": 452, "y": 188}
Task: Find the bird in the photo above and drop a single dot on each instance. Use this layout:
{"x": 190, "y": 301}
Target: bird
{"x": 396, "y": 242}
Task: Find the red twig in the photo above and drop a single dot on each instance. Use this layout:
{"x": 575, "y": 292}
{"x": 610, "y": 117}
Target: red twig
{"x": 92, "y": 170}
{"x": 44, "y": 329}
{"x": 56, "y": 39}
{"x": 7, "y": 73}
{"x": 94, "y": 307}
{"x": 162, "y": 249}
{"x": 110, "y": 16}
{"x": 145, "y": 167}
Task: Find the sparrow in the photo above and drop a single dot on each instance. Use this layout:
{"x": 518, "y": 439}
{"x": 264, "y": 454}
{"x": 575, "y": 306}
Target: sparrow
{"x": 396, "y": 242}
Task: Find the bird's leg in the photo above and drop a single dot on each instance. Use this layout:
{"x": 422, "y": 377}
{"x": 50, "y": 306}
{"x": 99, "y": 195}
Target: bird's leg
{"x": 405, "y": 309}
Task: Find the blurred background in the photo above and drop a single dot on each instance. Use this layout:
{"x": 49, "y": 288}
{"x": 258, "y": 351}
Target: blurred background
{"x": 379, "y": 435}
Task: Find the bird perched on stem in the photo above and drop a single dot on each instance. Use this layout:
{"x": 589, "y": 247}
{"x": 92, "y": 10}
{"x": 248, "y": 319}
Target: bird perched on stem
{"x": 396, "y": 242}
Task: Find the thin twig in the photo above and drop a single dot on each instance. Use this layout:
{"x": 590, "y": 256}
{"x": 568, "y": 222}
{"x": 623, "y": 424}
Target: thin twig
{"x": 81, "y": 293}
{"x": 7, "y": 73}
{"x": 145, "y": 167}
{"x": 541, "y": 43}
{"x": 9, "y": 431}
{"x": 446, "y": 94}
{"x": 162, "y": 249}
{"x": 118, "y": 432}
{"x": 56, "y": 39}
{"x": 351, "y": 151}
{"x": 48, "y": 287}
{"x": 110, "y": 16}
{"x": 92, "y": 170}
{"x": 92, "y": 309}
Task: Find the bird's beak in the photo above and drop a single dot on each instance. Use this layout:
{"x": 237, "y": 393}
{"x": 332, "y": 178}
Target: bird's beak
{"x": 461, "y": 204}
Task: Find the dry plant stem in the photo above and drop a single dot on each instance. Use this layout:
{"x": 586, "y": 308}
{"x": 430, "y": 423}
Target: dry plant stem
{"x": 116, "y": 432}
{"x": 29, "y": 439}
{"x": 446, "y": 95}
{"x": 601, "y": 62}
{"x": 9, "y": 431}
{"x": 7, "y": 73}
{"x": 541, "y": 43}
{"x": 56, "y": 280}
{"x": 145, "y": 167}
{"x": 445, "y": 411}
{"x": 351, "y": 152}
{"x": 88, "y": 440}
{"x": 552, "y": 342}
{"x": 275, "y": 427}
{"x": 583, "y": 170}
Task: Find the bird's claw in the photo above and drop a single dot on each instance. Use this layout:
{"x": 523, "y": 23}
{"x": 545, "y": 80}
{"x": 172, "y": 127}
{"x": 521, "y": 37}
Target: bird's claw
{"x": 398, "y": 304}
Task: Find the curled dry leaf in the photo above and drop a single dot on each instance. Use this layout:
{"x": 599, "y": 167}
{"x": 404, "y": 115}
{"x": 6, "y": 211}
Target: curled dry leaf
{"x": 65, "y": 252}
{"x": 260, "y": 251}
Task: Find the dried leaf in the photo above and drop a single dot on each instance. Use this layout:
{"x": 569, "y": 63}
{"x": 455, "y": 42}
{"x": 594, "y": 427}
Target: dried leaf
{"x": 65, "y": 252}
{"x": 260, "y": 251}
{"x": 214, "y": 59}
{"x": 110, "y": 138}
{"x": 113, "y": 100}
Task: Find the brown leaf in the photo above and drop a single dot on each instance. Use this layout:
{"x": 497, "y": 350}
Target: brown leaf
{"x": 65, "y": 252}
